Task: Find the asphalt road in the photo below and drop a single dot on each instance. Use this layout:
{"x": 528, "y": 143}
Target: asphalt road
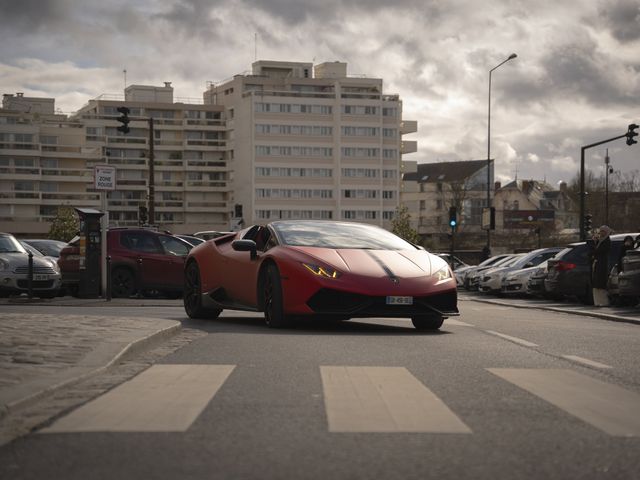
{"x": 497, "y": 393}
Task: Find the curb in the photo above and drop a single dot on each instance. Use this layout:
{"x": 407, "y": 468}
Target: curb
{"x": 603, "y": 316}
{"x": 131, "y": 348}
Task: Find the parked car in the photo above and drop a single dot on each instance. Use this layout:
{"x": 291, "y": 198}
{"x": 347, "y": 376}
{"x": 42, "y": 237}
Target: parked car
{"x": 191, "y": 239}
{"x": 335, "y": 270}
{"x": 535, "y": 285}
{"x": 629, "y": 278}
{"x": 472, "y": 277}
{"x": 143, "y": 261}
{"x": 14, "y": 269}
{"x": 570, "y": 270}
{"x": 490, "y": 281}
{"x": 48, "y": 247}
{"x": 209, "y": 234}
{"x": 515, "y": 282}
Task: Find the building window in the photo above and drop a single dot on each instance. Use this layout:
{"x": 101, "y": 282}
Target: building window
{"x": 438, "y": 204}
{"x": 423, "y": 204}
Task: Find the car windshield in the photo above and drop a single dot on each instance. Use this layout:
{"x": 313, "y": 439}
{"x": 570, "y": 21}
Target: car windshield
{"x": 339, "y": 235}
{"x": 32, "y": 249}
{"x": 8, "y": 244}
{"x": 47, "y": 247}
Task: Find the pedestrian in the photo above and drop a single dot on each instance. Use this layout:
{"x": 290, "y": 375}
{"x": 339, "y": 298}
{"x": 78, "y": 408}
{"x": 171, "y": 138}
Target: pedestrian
{"x": 600, "y": 266}
{"x": 627, "y": 244}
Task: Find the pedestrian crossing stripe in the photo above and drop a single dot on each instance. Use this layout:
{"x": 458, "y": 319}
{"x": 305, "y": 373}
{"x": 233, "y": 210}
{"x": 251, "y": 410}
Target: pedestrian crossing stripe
{"x": 169, "y": 398}
{"x": 163, "y": 398}
{"x": 384, "y": 399}
{"x": 608, "y": 407}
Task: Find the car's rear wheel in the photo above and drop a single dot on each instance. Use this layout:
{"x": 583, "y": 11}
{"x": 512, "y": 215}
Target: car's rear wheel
{"x": 123, "y": 283}
{"x": 192, "y": 294}
{"x": 427, "y": 322}
{"x": 274, "y": 315}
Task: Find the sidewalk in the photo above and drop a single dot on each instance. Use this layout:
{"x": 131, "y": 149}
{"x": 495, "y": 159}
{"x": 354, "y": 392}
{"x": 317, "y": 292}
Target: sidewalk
{"x": 614, "y": 314}
{"x": 40, "y": 353}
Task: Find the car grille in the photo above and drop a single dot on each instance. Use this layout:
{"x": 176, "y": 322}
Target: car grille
{"x": 328, "y": 301}
{"x": 24, "y": 270}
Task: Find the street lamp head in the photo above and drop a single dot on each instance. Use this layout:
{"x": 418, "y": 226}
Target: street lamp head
{"x": 512, "y": 56}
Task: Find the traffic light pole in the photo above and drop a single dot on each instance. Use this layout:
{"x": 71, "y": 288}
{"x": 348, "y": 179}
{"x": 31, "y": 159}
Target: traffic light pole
{"x": 152, "y": 194}
{"x": 583, "y": 233}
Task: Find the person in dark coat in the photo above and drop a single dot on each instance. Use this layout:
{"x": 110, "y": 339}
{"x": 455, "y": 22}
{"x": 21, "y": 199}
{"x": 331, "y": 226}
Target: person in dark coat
{"x": 600, "y": 267}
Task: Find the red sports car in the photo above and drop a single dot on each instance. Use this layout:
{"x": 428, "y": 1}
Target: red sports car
{"x": 339, "y": 270}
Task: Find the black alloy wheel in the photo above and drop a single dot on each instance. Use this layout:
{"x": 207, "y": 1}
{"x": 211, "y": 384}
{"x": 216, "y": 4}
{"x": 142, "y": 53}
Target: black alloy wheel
{"x": 427, "y": 322}
{"x": 123, "y": 283}
{"x": 192, "y": 295}
{"x": 274, "y": 315}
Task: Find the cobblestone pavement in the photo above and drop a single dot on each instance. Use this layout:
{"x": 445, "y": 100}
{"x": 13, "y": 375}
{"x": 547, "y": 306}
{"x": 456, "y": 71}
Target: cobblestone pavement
{"x": 41, "y": 352}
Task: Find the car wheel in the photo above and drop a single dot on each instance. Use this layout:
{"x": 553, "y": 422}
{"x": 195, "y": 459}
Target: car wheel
{"x": 274, "y": 315}
{"x": 123, "y": 283}
{"x": 427, "y": 322}
{"x": 192, "y": 294}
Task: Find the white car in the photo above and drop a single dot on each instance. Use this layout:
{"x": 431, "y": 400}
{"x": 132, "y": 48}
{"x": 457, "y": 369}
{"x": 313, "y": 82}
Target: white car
{"x": 491, "y": 280}
{"x": 14, "y": 269}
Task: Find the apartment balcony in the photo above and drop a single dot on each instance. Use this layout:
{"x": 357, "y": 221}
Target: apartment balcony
{"x": 408, "y": 126}
{"x": 409, "y": 146}
{"x": 46, "y": 174}
{"x": 50, "y": 198}
{"x": 206, "y": 145}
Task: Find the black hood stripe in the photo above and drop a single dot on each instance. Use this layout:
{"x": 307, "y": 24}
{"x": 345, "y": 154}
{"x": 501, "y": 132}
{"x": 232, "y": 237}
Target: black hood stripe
{"x": 383, "y": 265}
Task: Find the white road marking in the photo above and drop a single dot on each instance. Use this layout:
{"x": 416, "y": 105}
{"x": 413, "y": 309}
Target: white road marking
{"x": 451, "y": 321}
{"x": 512, "y": 339}
{"x": 586, "y": 361}
{"x": 383, "y": 399}
{"x": 609, "y": 408}
{"x": 164, "y": 398}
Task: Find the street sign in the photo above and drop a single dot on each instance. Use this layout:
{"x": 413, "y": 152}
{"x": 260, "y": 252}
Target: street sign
{"x": 104, "y": 177}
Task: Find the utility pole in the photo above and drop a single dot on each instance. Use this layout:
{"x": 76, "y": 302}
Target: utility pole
{"x": 606, "y": 188}
{"x": 152, "y": 194}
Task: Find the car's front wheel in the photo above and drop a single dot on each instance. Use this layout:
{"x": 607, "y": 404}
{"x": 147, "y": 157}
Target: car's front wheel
{"x": 192, "y": 294}
{"x": 123, "y": 283}
{"x": 427, "y": 322}
{"x": 274, "y": 315}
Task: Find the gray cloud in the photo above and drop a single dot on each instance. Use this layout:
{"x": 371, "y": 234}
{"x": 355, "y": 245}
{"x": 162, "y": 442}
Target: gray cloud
{"x": 622, "y": 17}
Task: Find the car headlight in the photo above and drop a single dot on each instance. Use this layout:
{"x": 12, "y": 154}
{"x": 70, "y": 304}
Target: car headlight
{"x": 443, "y": 274}
{"x": 321, "y": 271}
{"x": 4, "y": 265}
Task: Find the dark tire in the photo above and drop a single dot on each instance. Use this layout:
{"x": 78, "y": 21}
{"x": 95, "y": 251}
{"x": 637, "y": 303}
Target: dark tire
{"x": 123, "y": 283}
{"x": 274, "y": 315}
{"x": 427, "y": 322}
{"x": 192, "y": 294}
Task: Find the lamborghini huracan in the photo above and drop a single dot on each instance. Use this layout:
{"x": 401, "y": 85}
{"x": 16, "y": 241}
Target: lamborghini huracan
{"x": 339, "y": 270}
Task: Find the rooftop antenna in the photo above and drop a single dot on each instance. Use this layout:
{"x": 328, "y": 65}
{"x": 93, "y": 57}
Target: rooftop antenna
{"x": 255, "y": 47}
{"x": 124, "y": 72}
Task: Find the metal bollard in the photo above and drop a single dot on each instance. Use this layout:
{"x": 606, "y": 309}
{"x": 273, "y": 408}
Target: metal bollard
{"x": 108, "y": 278}
{"x": 30, "y": 276}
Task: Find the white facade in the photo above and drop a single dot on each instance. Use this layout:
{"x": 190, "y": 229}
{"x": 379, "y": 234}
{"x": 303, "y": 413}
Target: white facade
{"x": 313, "y": 143}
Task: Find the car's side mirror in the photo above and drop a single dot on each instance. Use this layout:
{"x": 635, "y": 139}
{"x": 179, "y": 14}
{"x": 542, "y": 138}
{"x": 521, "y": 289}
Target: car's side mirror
{"x": 245, "y": 246}
{"x": 529, "y": 264}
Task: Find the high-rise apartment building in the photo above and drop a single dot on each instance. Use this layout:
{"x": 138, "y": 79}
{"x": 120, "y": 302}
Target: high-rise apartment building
{"x": 191, "y": 164}
{"x": 43, "y": 164}
{"x": 312, "y": 142}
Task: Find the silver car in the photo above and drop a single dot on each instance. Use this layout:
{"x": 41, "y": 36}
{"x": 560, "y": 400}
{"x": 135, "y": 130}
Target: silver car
{"x": 14, "y": 269}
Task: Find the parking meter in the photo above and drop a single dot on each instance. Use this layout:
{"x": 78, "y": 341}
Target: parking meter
{"x": 90, "y": 252}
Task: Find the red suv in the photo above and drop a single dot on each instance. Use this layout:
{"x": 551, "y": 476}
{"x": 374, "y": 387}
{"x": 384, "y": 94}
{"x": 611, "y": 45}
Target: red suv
{"x": 143, "y": 262}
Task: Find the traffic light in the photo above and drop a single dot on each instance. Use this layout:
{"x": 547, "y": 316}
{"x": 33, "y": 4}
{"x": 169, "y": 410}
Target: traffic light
{"x": 588, "y": 225}
{"x": 453, "y": 217}
{"x": 123, "y": 119}
{"x": 143, "y": 216}
{"x": 632, "y": 133}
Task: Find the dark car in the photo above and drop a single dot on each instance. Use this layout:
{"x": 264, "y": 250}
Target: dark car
{"x": 569, "y": 271}
{"x": 629, "y": 278}
{"x": 49, "y": 248}
{"x": 143, "y": 261}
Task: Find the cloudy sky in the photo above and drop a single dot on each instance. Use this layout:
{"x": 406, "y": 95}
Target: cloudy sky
{"x": 576, "y": 79}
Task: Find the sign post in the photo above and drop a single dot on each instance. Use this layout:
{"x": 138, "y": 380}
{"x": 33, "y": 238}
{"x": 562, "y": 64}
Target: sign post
{"x": 104, "y": 180}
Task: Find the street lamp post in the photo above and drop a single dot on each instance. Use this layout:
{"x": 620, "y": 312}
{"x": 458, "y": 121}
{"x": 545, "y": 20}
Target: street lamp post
{"x": 511, "y": 57}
